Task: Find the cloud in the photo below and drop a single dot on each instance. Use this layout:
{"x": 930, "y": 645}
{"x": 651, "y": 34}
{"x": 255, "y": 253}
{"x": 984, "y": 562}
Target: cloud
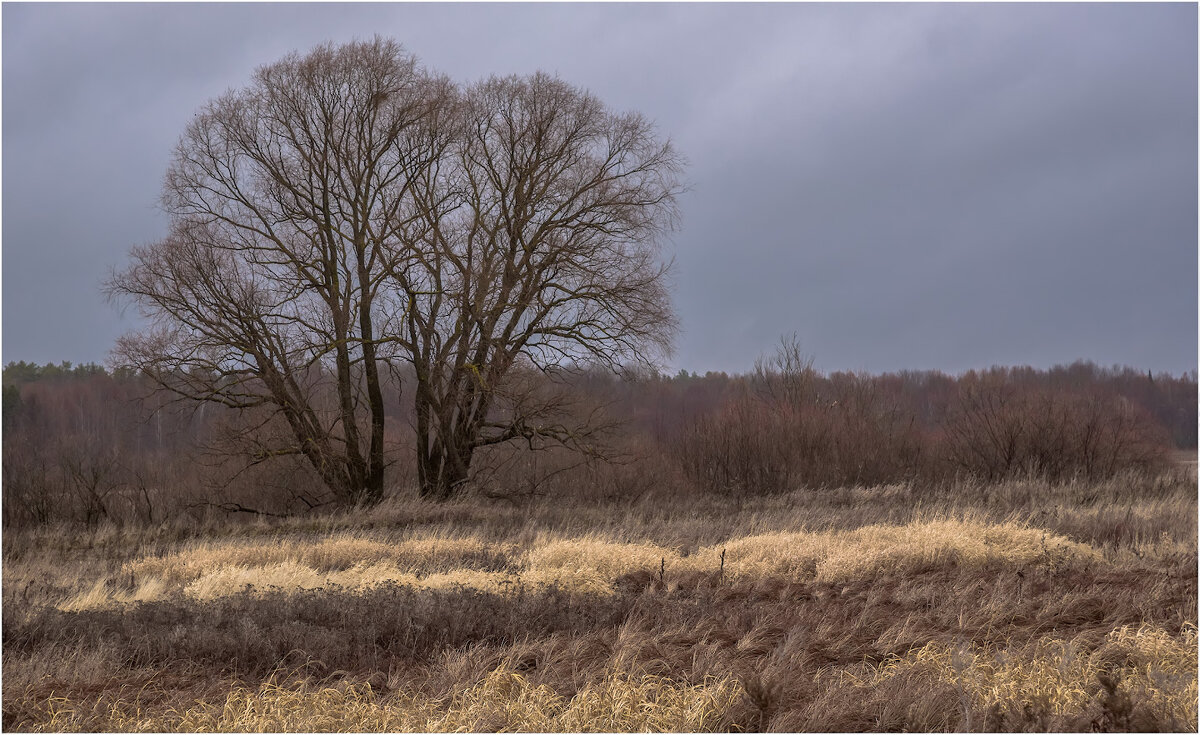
{"x": 921, "y": 186}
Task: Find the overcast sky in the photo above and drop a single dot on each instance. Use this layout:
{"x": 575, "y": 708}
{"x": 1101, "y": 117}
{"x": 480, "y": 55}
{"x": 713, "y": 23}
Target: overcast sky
{"x": 902, "y": 186}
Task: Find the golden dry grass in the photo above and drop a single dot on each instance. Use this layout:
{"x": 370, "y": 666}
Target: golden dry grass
{"x": 334, "y": 553}
{"x": 875, "y": 550}
{"x": 831, "y": 556}
{"x": 1057, "y": 677}
{"x": 504, "y": 701}
{"x": 1002, "y": 607}
{"x": 591, "y": 565}
{"x": 587, "y": 565}
{"x": 285, "y": 575}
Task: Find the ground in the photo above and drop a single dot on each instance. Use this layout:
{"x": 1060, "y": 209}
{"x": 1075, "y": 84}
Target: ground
{"x": 1016, "y": 606}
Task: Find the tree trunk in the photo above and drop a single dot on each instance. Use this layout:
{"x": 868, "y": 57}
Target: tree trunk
{"x": 372, "y": 491}
{"x": 442, "y": 470}
{"x": 443, "y": 458}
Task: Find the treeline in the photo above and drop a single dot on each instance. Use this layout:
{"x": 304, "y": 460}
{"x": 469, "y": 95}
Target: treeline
{"x": 83, "y": 444}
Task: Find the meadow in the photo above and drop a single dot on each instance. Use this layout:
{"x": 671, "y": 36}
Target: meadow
{"x": 389, "y": 445}
{"x": 1012, "y": 605}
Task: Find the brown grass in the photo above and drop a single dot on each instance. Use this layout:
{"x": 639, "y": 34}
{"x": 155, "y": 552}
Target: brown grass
{"x": 856, "y": 609}
{"x": 1056, "y": 680}
{"x": 588, "y": 565}
{"x": 503, "y": 701}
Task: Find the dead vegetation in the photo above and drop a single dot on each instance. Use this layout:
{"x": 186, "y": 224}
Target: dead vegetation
{"x": 1010, "y": 606}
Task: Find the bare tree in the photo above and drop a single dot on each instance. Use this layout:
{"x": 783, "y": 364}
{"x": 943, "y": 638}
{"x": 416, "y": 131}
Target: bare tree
{"x": 346, "y": 213}
{"x": 539, "y": 247}
{"x": 787, "y": 378}
{"x": 271, "y": 288}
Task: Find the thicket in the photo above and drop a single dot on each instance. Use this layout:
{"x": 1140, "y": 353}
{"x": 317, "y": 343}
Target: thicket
{"x": 84, "y": 445}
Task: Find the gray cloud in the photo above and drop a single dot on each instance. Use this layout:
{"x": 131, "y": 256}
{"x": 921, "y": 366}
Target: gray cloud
{"x": 904, "y": 186}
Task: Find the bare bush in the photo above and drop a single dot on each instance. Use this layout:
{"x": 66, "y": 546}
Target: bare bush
{"x": 743, "y": 448}
{"x": 997, "y": 430}
{"x": 795, "y": 427}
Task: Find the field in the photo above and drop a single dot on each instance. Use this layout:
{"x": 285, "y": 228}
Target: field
{"x": 1011, "y": 606}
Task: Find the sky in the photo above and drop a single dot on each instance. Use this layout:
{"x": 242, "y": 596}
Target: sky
{"x": 899, "y": 186}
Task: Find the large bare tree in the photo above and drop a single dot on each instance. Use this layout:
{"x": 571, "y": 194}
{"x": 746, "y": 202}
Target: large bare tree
{"x": 273, "y": 281}
{"x": 346, "y": 213}
{"x": 539, "y": 247}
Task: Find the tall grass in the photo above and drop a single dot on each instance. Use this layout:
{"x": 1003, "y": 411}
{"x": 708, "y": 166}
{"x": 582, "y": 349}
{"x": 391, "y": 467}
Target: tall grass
{"x": 1011, "y": 606}
{"x": 584, "y": 565}
{"x": 503, "y": 701}
{"x": 1054, "y": 679}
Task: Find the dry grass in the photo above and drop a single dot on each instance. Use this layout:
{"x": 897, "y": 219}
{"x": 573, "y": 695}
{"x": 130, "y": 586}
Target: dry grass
{"x": 1006, "y": 607}
{"x": 1057, "y": 679}
{"x": 588, "y": 565}
{"x": 211, "y": 569}
{"x": 286, "y": 575}
{"x": 592, "y": 565}
{"x": 424, "y": 553}
{"x": 505, "y": 701}
{"x": 877, "y": 550}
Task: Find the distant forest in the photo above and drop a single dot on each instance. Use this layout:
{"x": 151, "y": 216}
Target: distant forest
{"x": 83, "y": 444}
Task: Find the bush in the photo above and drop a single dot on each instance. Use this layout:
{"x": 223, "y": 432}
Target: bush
{"x": 760, "y": 444}
{"x": 995, "y": 430}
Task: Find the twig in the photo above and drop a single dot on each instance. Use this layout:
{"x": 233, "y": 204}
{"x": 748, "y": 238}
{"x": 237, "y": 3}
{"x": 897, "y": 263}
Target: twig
{"x": 237, "y": 508}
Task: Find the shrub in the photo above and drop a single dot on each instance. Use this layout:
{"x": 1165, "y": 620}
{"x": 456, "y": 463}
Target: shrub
{"x": 996, "y": 430}
{"x": 756, "y": 445}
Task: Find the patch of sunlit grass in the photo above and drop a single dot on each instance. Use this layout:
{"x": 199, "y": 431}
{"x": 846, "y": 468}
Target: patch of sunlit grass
{"x": 492, "y": 582}
{"x": 789, "y": 555}
{"x": 592, "y": 565}
{"x": 423, "y": 553}
{"x": 887, "y": 549}
{"x": 503, "y": 701}
{"x": 102, "y": 593}
{"x": 1147, "y": 665}
{"x": 586, "y": 565}
{"x": 227, "y": 580}
{"x": 290, "y": 575}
